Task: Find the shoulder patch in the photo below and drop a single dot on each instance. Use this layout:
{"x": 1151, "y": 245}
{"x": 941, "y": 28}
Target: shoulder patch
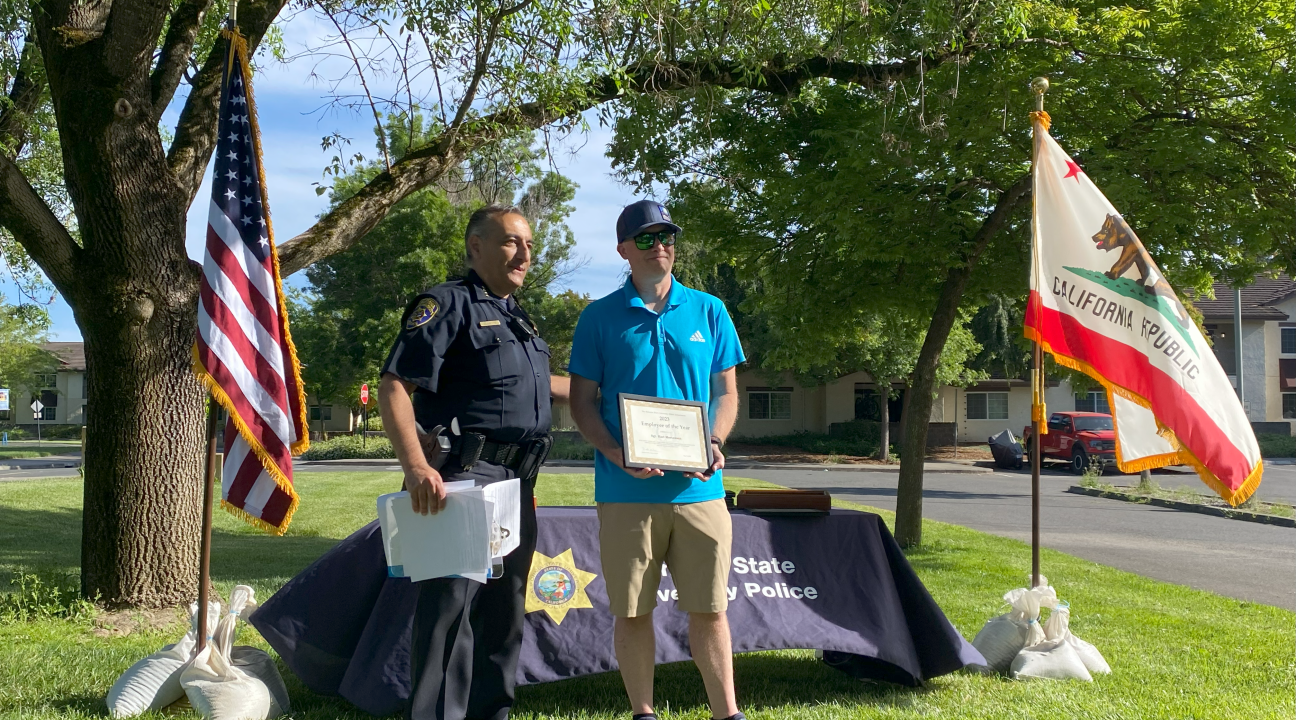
{"x": 422, "y": 313}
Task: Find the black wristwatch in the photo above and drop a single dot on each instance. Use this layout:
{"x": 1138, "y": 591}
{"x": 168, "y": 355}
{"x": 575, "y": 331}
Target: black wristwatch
{"x": 717, "y": 441}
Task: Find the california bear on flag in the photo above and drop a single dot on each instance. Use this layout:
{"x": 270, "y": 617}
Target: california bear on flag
{"x": 1099, "y": 304}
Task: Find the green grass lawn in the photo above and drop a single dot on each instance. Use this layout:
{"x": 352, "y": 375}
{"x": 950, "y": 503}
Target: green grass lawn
{"x": 22, "y": 454}
{"x": 1176, "y": 652}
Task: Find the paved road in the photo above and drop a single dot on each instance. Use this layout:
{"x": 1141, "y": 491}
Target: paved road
{"x": 1245, "y": 560}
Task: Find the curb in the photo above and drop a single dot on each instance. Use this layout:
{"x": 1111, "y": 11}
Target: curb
{"x": 1188, "y": 507}
{"x": 42, "y": 466}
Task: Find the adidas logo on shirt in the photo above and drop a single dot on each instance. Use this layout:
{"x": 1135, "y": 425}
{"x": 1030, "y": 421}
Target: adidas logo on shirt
{"x": 697, "y": 336}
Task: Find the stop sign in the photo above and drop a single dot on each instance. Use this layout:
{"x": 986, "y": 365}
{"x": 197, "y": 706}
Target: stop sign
{"x": 364, "y": 394}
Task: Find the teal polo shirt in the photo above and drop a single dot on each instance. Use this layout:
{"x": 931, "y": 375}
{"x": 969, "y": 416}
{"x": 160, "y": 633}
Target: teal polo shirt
{"x": 627, "y": 348}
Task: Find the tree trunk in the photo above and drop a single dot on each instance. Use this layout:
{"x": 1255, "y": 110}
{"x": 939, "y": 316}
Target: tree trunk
{"x": 143, "y": 465}
{"x": 134, "y": 291}
{"x": 918, "y": 403}
{"x": 884, "y": 399}
{"x": 916, "y": 415}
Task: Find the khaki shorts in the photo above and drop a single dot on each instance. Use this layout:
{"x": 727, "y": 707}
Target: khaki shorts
{"x": 694, "y": 539}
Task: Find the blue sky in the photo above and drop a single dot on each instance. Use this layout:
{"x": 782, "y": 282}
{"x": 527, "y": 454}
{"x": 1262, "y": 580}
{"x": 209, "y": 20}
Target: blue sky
{"x": 292, "y": 125}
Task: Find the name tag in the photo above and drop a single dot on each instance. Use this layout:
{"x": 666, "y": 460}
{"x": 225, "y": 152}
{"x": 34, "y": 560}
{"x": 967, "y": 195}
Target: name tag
{"x": 488, "y": 323}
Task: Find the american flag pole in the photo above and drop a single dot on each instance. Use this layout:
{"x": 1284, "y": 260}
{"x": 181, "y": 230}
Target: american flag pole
{"x": 243, "y": 352}
{"x": 213, "y": 427}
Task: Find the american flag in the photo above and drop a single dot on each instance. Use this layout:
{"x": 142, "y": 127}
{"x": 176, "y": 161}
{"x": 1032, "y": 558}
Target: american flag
{"x": 244, "y": 353}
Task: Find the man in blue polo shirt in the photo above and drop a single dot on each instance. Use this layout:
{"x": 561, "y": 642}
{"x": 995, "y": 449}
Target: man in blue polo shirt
{"x": 656, "y": 337}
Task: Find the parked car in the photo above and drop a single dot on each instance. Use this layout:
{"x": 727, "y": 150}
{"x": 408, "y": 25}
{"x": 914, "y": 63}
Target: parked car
{"x": 1076, "y": 437}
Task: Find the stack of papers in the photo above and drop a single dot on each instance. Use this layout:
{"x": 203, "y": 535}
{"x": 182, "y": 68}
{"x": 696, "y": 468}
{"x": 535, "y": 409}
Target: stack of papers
{"x": 477, "y": 528}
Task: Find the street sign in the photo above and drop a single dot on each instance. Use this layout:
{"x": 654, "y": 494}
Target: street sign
{"x": 364, "y": 394}
{"x": 37, "y": 406}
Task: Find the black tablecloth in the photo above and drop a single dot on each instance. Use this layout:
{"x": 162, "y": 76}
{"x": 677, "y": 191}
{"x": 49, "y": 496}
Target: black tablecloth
{"x": 837, "y": 583}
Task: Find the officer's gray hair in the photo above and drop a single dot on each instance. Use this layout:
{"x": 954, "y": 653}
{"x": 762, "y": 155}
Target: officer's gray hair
{"x": 480, "y": 217}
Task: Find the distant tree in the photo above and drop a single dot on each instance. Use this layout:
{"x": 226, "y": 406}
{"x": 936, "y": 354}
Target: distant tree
{"x": 22, "y": 330}
{"x": 919, "y": 197}
{"x": 345, "y": 323}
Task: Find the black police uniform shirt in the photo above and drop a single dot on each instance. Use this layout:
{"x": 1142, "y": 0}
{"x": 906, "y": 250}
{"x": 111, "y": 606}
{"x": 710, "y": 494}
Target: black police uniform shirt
{"x": 470, "y": 357}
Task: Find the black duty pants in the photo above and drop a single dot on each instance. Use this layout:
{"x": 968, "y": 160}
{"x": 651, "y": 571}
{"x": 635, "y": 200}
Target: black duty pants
{"x": 467, "y": 636}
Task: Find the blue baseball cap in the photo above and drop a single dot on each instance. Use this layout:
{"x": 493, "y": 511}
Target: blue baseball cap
{"x": 643, "y": 214}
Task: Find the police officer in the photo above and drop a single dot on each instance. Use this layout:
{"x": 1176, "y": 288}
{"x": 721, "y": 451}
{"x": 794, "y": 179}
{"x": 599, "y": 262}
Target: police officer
{"x": 469, "y": 378}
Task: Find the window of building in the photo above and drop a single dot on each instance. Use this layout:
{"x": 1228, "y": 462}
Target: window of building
{"x": 1289, "y": 406}
{"x": 46, "y": 380}
{"x": 49, "y": 412}
{"x": 326, "y": 411}
{"x": 1095, "y": 401}
{"x": 987, "y": 406}
{"x": 1288, "y": 340}
{"x": 769, "y": 403}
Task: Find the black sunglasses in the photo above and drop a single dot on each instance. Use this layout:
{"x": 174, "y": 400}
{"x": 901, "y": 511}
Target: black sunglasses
{"x": 645, "y": 241}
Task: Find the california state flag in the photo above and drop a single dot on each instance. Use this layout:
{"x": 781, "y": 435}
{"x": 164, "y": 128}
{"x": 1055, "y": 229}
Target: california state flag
{"x": 1100, "y": 305}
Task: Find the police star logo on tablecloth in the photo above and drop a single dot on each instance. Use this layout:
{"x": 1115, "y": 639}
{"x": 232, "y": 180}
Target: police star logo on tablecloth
{"x": 423, "y": 312}
{"x": 557, "y": 585}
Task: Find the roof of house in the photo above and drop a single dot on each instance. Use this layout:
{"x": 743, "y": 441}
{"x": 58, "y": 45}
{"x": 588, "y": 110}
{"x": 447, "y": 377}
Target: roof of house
{"x": 1258, "y": 300}
{"x": 71, "y": 355}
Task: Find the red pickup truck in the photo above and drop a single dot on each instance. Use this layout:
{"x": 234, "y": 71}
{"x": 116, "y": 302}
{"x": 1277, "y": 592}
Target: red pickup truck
{"x": 1077, "y": 437}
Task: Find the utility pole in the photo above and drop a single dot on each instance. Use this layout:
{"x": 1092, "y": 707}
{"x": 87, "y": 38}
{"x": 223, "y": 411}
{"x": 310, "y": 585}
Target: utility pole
{"x": 1237, "y": 346}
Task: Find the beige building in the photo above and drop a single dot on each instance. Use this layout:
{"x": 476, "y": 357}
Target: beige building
{"x": 976, "y": 413}
{"x": 61, "y": 391}
{"x": 1268, "y": 345}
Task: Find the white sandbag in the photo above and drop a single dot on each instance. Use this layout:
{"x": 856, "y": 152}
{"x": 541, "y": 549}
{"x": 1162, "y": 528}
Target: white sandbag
{"x": 220, "y": 691}
{"x": 1058, "y": 627}
{"x": 1051, "y": 659}
{"x": 260, "y": 665}
{"x": 1002, "y": 637}
{"x": 217, "y": 688}
{"x": 154, "y": 681}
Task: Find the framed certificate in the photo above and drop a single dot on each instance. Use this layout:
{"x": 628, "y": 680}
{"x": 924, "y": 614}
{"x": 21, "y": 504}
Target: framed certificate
{"x": 665, "y": 434}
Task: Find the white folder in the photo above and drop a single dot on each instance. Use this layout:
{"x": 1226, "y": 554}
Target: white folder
{"x": 457, "y": 541}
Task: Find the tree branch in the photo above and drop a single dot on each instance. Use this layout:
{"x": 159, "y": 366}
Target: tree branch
{"x": 132, "y": 29}
{"x": 1007, "y": 204}
{"x": 34, "y": 225}
{"x": 182, "y": 32}
{"x": 350, "y": 220}
{"x": 24, "y": 99}
{"x": 195, "y": 134}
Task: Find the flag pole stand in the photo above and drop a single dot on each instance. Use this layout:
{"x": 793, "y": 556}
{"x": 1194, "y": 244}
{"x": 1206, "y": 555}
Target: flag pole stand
{"x": 1039, "y": 86}
{"x": 204, "y": 548}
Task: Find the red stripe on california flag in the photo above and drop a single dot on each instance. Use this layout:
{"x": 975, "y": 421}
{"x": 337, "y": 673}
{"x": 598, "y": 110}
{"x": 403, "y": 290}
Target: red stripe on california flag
{"x": 1122, "y": 365}
{"x": 269, "y": 439}
{"x": 269, "y": 378}
{"x": 257, "y": 303}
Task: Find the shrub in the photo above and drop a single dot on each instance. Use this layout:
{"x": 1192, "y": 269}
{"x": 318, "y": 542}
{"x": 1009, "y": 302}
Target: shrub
{"x": 866, "y": 430}
{"x": 818, "y": 443}
{"x": 565, "y": 449}
{"x": 349, "y": 447}
{"x": 42, "y": 596}
{"x": 1276, "y": 446}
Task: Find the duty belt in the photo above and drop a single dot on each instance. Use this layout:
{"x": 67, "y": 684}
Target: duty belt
{"x": 524, "y": 458}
